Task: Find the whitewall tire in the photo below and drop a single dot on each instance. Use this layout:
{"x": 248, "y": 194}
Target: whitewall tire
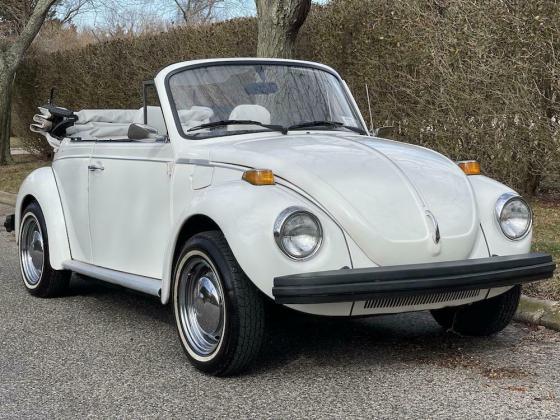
{"x": 219, "y": 313}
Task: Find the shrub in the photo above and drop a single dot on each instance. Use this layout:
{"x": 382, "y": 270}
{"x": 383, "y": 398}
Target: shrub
{"x": 474, "y": 80}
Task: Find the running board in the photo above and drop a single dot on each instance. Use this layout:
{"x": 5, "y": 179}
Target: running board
{"x": 142, "y": 284}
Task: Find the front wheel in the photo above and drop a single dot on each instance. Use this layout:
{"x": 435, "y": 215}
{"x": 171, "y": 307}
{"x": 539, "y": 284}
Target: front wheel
{"x": 218, "y": 311}
{"x": 483, "y": 318}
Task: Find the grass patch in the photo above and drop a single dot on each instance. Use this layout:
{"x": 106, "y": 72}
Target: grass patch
{"x": 546, "y": 238}
{"x": 12, "y": 176}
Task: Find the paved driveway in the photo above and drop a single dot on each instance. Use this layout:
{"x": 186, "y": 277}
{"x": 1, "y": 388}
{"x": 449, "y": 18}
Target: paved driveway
{"x": 106, "y": 352}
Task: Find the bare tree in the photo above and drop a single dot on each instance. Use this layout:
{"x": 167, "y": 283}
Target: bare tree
{"x": 68, "y": 10}
{"x": 279, "y": 22}
{"x": 20, "y": 22}
{"x": 197, "y": 11}
{"x": 132, "y": 17}
{"x": 206, "y": 11}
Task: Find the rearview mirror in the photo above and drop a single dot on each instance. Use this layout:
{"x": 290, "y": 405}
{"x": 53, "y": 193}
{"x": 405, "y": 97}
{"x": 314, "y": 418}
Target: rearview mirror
{"x": 142, "y": 132}
{"x": 265, "y": 88}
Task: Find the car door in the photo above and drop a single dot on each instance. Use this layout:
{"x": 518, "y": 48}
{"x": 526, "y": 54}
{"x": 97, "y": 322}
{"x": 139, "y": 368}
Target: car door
{"x": 129, "y": 205}
{"x": 70, "y": 167}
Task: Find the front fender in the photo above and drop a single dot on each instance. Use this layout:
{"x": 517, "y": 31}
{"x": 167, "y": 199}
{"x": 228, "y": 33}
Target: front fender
{"x": 246, "y": 214}
{"x": 41, "y": 186}
{"x": 487, "y": 192}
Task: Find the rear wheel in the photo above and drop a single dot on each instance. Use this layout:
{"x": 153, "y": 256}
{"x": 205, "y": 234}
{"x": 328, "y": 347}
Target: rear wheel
{"x": 39, "y": 278}
{"x": 483, "y": 318}
{"x": 218, "y": 311}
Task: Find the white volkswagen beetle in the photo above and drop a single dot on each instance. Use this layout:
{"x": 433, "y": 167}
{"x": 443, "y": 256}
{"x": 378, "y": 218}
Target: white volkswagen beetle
{"x": 256, "y": 180}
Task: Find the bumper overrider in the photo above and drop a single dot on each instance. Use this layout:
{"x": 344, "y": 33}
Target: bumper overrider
{"x": 409, "y": 280}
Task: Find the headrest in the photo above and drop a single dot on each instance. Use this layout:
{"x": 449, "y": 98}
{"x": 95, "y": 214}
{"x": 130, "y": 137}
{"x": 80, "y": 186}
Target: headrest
{"x": 248, "y": 112}
{"x": 197, "y": 115}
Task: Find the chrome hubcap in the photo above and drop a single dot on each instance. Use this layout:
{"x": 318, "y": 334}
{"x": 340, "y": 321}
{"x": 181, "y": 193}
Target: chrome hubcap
{"x": 31, "y": 250}
{"x": 201, "y": 305}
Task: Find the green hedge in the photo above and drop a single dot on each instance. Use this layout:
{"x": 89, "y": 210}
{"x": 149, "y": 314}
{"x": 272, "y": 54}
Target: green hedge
{"x": 473, "y": 80}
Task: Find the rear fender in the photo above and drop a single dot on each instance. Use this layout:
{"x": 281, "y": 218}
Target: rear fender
{"x": 41, "y": 186}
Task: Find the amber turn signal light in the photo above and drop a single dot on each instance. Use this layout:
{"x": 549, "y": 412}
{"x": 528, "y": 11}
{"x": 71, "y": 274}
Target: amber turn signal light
{"x": 470, "y": 167}
{"x": 259, "y": 177}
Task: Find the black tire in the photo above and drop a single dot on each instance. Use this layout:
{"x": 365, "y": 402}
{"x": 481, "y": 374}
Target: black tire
{"x": 51, "y": 282}
{"x": 483, "y": 318}
{"x": 243, "y": 327}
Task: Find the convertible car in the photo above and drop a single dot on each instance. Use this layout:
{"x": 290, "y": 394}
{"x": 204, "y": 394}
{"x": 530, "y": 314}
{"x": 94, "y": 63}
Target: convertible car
{"x": 245, "y": 183}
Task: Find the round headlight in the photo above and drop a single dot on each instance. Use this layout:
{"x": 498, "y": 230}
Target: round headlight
{"x": 514, "y": 216}
{"x": 298, "y": 233}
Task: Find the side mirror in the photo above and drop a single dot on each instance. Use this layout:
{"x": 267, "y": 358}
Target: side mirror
{"x": 142, "y": 132}
{"x": 384, "y": 132}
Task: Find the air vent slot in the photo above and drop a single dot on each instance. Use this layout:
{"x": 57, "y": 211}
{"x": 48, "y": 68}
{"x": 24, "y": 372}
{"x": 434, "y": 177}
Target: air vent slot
{"x": 427, "y": 299}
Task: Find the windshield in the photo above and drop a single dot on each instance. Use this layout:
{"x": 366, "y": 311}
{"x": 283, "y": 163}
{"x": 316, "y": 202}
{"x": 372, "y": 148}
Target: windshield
{"x": 218, "y": 100}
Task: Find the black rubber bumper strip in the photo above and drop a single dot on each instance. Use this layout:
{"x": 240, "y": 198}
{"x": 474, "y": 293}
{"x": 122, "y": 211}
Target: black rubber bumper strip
{"x": 347, "y": 285}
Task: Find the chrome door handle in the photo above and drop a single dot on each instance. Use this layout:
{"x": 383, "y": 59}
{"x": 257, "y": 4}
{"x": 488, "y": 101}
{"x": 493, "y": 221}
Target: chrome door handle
{"x": 95, "y": 168}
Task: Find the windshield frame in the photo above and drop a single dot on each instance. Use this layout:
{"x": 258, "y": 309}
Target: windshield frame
{"x": 302, "y": 64}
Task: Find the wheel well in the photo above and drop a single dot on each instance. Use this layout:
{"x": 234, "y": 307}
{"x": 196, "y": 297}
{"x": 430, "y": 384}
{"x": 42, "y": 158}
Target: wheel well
{"x": 28, "y": 199}
{"x": 193, "y": 225}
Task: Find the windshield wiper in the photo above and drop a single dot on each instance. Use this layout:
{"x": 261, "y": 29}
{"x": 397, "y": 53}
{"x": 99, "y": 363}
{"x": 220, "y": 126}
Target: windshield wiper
{"x": 334, "y": 124}
{"x": 223, "y": 123}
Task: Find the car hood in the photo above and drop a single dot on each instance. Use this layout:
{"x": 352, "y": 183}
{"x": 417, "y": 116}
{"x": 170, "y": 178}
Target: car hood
{"x": 398, "y": 202}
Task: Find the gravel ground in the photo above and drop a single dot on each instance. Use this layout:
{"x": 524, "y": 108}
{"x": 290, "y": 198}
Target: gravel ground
{"x": 107, "y": 352}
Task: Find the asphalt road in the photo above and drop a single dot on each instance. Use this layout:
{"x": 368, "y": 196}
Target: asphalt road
{"x": 106, "y": 352}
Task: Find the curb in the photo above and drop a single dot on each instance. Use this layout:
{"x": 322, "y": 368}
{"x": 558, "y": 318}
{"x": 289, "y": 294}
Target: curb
{"x": 8, "y": 198}
{"x": 539, "y": 312}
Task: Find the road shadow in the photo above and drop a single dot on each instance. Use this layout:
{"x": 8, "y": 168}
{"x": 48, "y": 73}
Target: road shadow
{"x": 121, "y": 298}
{"x": 373, "y": 341}
{"x": 294, "y": 337}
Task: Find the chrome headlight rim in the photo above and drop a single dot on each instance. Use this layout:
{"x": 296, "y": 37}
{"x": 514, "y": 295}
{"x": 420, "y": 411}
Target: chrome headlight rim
{"x": 504, "y": 200}
{"x": 281, "y": 222}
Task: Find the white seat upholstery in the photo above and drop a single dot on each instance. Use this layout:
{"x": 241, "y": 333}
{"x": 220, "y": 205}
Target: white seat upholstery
{"x": 248, "y": 112}
{"x": 197, "y": 115}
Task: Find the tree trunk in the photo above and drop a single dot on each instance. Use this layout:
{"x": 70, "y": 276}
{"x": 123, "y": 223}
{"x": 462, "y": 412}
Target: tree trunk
{"x": 532, "y": 181}
{"x": 6, "y": 84}
{"x": 11, "y": 56}
{"x": 279, "y": 22}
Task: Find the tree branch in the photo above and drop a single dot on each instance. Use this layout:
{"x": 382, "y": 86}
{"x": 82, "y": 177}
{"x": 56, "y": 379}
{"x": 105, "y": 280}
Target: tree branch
{"x": 183, "y": 11}
{"x": 29, "y": 32}
{"x": 73, "y": 10}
